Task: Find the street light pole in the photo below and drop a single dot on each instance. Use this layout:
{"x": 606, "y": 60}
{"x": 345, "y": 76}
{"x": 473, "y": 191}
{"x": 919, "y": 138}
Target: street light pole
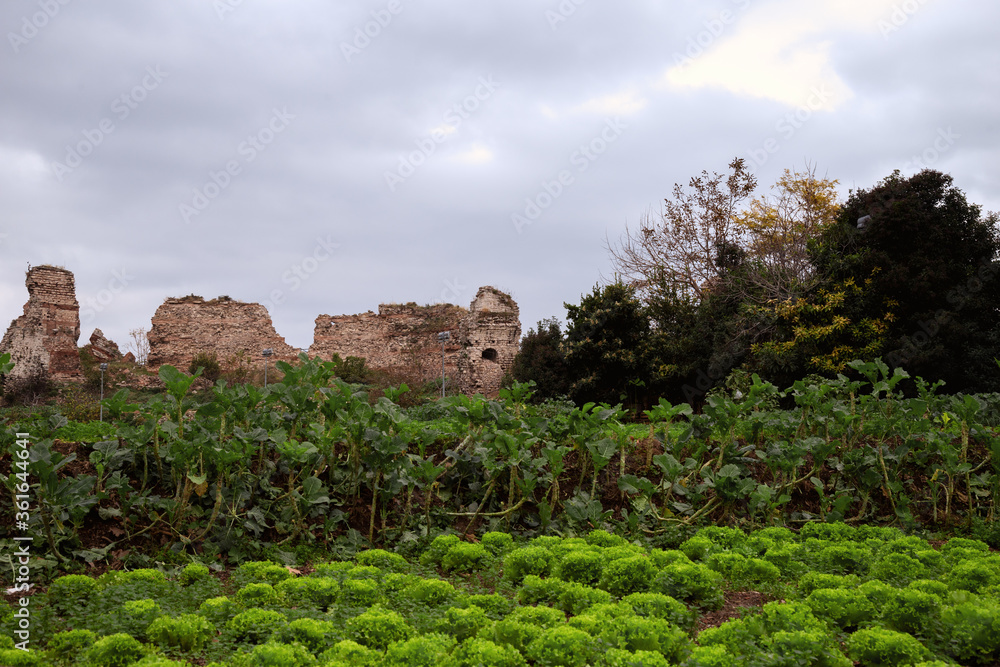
{"x": 104, "y": 367}
{"x": 443, "y": 337}
{"x": 267, "y": 352}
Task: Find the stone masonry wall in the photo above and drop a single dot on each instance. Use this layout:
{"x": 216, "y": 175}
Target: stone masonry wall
{"x": 400, "y": 338}
{"x": 491, "y": 335}
{"x": 43, "y": 339}
{"x": 183, "y": 327}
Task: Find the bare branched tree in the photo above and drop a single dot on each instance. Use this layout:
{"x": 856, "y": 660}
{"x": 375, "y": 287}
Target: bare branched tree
{"x": 139, "y": 345}
{"x": 682, "y": 245}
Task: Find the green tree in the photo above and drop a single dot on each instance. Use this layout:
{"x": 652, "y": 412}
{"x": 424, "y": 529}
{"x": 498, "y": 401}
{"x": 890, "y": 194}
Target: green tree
{"x": 541, "y": 359}
{"x": 607, "y": 346}
{"x": 926, "y": 262}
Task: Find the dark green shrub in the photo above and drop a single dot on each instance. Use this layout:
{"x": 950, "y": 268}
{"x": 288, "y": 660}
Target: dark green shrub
{"x": 189, "y": 632}
{"x": 438, "y": 548}
{"x": 478, "y": 652}
{"x": 208, "y": 362}
{"x": 428, "y": 650}
{"x": 879, "y": 647}
{"x": 255, "y": 626}
{"x": 258, "y": 595}
{"x": 563, "y": 645}
{"x": 581, "y": 566}
{"x": 66, "y": 646}
{"x": 527, "y": 560}
{"x": 845, "y": 608}
{"x": 627, "y": 575}
{"x": 694, "y": 584}
{"x": 466, "y": 557}
{"x": 116, "y": 650}
{"x": 383, "y": 560}
{"x": 498, "y": 543}
{"x": 377, "y": 628}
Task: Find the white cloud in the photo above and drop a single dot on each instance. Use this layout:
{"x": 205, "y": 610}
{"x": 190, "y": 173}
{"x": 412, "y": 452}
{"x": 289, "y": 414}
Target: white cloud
{"x": 477, "y": 154}
{"x": 621, "y": 104}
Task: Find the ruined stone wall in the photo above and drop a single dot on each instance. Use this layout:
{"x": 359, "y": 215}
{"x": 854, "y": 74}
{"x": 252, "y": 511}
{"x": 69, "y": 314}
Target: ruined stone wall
{"x": 181, "y": 328}
{"x": 400, "y": 338}
{"x": 43, "y": 339}
{"x": 491, "y": 335}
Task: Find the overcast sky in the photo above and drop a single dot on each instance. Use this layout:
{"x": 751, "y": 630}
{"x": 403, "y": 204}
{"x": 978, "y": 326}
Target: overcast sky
{"x": 325, "y": 157}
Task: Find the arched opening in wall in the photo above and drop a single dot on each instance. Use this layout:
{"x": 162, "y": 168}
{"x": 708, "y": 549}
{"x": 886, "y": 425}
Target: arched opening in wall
{"x": 491, "y": 355}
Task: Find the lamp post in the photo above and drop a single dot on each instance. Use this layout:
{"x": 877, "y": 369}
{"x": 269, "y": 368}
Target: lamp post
{"x": 444, "y": 336}
{"x": 104, "y": 367}
{"x": 267, "y": 352}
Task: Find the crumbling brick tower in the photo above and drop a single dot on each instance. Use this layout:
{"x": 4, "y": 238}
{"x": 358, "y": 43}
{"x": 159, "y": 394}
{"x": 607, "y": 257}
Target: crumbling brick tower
{"x": 43, "y": 339}
{"x": 490, "y": 337}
